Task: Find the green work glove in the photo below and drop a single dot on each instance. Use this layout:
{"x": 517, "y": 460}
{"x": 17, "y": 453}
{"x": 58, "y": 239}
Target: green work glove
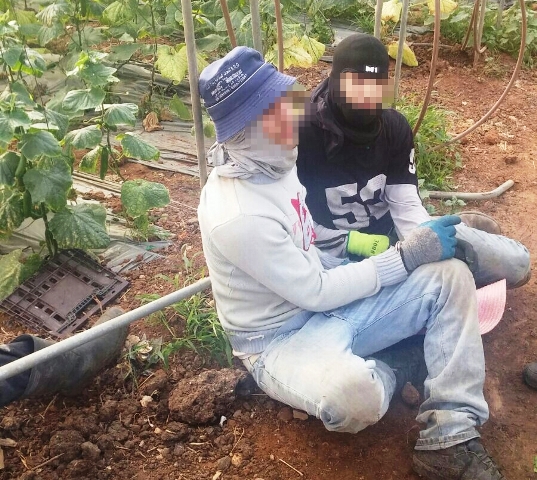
{"x": 366, "y": 245}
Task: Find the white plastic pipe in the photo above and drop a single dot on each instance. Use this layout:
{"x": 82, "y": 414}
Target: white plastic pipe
{"x": 29, "y": 361}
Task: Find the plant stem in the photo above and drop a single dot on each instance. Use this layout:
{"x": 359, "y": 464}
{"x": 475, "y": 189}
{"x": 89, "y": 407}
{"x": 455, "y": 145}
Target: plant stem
{"x": 155, "y": 45}
{"x": 52, "y": 245}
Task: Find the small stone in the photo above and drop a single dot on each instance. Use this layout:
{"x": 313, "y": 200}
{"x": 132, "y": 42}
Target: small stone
{"x": 299, "y": 415}
{"x": 511, "y": 160}
{"x": 285, "y": 414}
{"x": 90, "y": 451}
{"x": 223, "y": 464}
{"x": 146, "y": 400}
{"x": 158, "y": 431}
{"x": 410, "y": 395}
{"x": 179, "y": 450}
{"x": 217, "y": 475}
{"x": 192, "y": 221}
{"x": 236, "y": 459}
{"x": 237, "y": 414}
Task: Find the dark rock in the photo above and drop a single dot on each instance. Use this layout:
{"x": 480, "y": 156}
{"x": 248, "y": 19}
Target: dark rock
{"x": 105, "y": 442}
{"x": 90, "y": 451}
{"x": 86, "y": 423}
{"x": 223, "y": 463}
{"x": 285, "y": 414}
{"x": 108, "y": 411}
{"x": 175, "y": 431}
{"x": 67, "y": 443}
{"x": 204, "y": 398}
{"x": 118, "y": 432}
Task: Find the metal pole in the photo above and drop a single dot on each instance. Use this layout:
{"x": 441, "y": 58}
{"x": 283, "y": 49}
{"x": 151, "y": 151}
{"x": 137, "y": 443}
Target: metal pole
{"x": 279, "y": 29}
{"x": 256, "y": 25}
{"x": 501, "y": 7}
{"x": 29, "y": 361}
{"x": 402, "y": 38}
{"x": 190, "y": 40}
{"x": 478, "y": 34}
{"x": 229, "y": 25}
{"x": 378, "y": 17}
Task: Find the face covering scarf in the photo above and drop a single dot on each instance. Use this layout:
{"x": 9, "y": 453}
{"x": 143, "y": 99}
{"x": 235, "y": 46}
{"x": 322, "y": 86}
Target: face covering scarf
{"x": 248, "y": 154}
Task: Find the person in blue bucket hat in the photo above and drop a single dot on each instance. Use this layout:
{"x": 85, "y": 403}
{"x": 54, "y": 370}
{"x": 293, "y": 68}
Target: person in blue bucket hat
{"x": 316, "y": 332}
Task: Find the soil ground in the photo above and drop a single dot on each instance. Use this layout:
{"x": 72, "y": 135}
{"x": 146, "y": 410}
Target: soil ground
{"x": 121, "y": 439}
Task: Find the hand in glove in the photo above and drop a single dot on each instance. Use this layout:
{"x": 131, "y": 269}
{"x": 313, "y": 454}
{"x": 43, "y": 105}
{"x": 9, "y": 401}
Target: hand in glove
{"x": 431, "y": 241}
{"x": 366, "y": 245}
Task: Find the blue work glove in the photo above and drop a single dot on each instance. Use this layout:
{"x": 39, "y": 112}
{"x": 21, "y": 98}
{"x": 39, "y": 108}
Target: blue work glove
{"x": 431, "y": 241}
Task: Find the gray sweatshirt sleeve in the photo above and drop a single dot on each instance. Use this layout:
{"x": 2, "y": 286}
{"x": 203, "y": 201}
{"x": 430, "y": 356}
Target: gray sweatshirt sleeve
{"x": 406, "y": 208}
{"x": 262, "y": 249}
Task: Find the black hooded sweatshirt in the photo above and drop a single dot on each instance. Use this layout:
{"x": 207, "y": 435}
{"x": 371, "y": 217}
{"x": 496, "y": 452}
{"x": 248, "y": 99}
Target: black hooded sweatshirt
{"x": 352, "y": 185}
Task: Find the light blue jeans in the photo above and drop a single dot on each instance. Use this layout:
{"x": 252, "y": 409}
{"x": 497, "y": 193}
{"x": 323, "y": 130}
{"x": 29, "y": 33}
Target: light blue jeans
{"x": 327, "y": 366}
{"x": 498, "y": 257}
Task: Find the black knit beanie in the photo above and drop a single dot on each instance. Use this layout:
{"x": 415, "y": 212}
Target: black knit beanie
{"x": 367, "y": 56}
{"x": 363, "y": 54}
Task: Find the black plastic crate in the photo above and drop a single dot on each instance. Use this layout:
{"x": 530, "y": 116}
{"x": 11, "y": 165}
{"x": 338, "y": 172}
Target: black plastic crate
{"x": 64, "y": 294}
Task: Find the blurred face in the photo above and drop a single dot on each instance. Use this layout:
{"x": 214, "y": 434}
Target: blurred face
{"x": 281, "y": 121}
{"x": 361, "y": 93}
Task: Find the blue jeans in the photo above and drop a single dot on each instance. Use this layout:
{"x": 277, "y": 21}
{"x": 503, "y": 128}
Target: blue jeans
{"x": 498, "y": 257}
{"x": 327, "y": 367}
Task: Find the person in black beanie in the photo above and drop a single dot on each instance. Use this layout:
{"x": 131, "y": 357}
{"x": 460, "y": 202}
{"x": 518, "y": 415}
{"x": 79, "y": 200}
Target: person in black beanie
{"x": 356, "y": 160}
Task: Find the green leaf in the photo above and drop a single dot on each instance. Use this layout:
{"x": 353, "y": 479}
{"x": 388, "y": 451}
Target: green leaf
{"x": 87, "y": 137}
{"x": 117, "y": 13}
{"x": 97, "y": 75}
{"x": 172, "y": 63}
{"x": 9, "y": 162}
{"x": 53, "y": 13}
{"x": 77, "y": 100}
{"x": 22, "y": 96}
{"x": 38, "y": 144}
{"x": 210, "y": 42}
{"x": 535, "y": 464}
{"x": 59, "y": 120}
{"x": 121, "y": 53}
{"x": 135, "y": 147}
{"x": 121, "y": 114}
{"x": 11, "y": 270}
{"x": 179, "y": 108}
{"x": 46, "y": 34}
{"x": 89, "y": 161}
{"x": 82, "y": 226}
{"x": 6, "y": 130}
{"x": 139, "y": 196}
{"x": 33, "y": 63}
{"x": 30, "y": 266}
{"x": 11, "y": 210}
{"x": 12, "y": 55}
{"x": 49, "y": 182}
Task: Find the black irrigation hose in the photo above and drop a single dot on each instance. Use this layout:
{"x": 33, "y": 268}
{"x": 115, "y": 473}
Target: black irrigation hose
{"x": 432, "y": 73}
{"x": 514, "y": 76}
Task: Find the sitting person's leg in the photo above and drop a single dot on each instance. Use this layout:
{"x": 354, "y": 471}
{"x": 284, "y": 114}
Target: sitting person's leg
{"x": 328, "y": 367}
{"x": 498, "y": 257}
{"x": 67, "y": 373}
{"x": 14, "y": 387}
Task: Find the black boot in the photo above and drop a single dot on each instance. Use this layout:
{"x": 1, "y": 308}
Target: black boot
{"x": 530, "y": 374}
{"x": 465, "y": 461}
{"x": 70, "y": 372}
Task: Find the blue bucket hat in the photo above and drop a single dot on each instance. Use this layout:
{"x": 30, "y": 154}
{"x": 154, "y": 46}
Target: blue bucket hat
{"x": 238, "y": 88}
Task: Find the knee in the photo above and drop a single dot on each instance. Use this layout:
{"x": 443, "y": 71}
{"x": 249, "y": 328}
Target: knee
{"x": 450, "y": 272}
{"x": 352, "y": 401}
